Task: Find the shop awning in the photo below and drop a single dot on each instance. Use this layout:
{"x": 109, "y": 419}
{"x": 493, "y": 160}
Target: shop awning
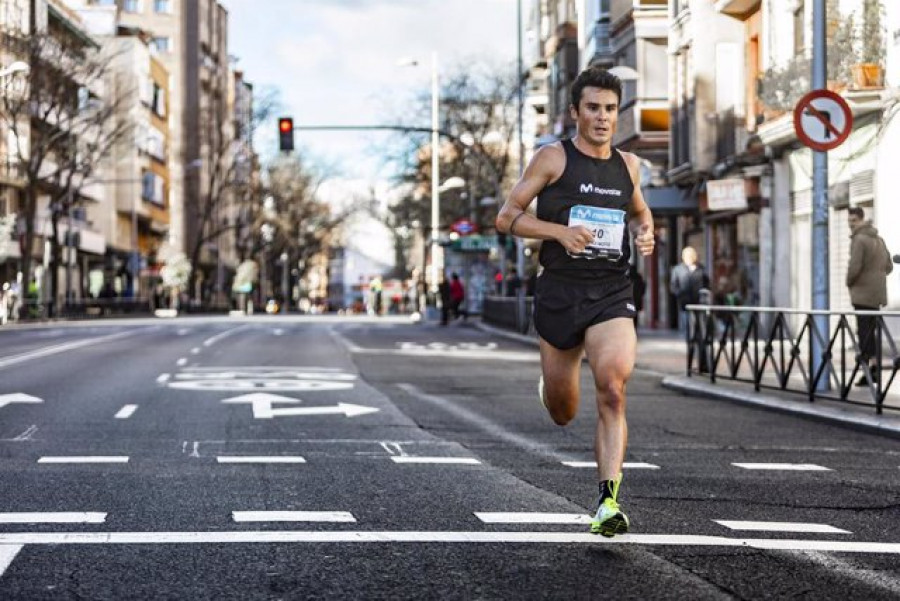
{"x": 671, "y": 199}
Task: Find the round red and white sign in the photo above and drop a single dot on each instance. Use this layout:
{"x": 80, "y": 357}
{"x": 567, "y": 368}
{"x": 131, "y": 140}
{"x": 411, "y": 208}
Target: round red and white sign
{"x": 822, "y": 120}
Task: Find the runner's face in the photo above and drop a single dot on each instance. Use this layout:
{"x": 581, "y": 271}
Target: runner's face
{"x": 597, "y": 115}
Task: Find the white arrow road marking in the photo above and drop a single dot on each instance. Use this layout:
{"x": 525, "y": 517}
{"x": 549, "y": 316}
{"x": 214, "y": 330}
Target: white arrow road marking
{"x": 628, "y": 465}
{"x": 380, "y": 537}
{"x": 84, "y": 459}
{"x": 52, "y": 518}
{"x": 532, "y": 518}
{"x": 292, "y": 516}
{"x": 794, "y": 467}
{"x": 126, "y": 411}
{"x": 782, "y": 527}
{"x": 7, "y": 554}
{"x": 181, "y": 362}
{"x": 271, "y": 459}
{"x": 438, "y": 460}
{"x": 18, "y": 397}
{"x": 262, "y": 406}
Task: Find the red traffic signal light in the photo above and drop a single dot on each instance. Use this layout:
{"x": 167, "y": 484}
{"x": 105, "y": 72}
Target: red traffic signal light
{"x": 286, "y": 134}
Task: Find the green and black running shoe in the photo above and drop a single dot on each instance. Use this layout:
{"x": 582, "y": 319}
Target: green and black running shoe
{"x": 610, "y": 520}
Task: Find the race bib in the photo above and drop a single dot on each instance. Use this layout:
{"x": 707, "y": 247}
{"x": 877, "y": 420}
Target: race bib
{"x": 608, "y": 227}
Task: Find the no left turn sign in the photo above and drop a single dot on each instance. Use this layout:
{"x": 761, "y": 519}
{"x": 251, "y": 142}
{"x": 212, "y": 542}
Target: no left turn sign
{"x": 822, "y": 120}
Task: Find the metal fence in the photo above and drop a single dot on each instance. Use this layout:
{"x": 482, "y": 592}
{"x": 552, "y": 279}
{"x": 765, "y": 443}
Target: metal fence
{"x": 775, "y": 348}
{"x": 501, "y": 311}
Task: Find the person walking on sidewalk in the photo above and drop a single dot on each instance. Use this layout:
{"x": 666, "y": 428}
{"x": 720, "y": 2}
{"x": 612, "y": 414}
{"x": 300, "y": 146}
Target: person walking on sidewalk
{"x": 457, "y": 297}
{"x": 588, "y": 198}
{"x": 870, "y": 263}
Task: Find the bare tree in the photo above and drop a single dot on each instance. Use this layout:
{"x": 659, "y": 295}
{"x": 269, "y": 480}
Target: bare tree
{"x": 66, "y": 119}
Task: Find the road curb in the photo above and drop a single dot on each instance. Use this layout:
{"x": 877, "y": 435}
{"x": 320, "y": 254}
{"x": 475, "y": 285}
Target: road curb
{"x": 889, "y": 426}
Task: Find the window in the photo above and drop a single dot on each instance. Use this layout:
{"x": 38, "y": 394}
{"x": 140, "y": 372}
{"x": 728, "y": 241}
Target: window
{"x": 161, "y": 44}
{"x": 162, "y": 6}
{"x": 156, "y": 144}
{"x": 158, "y": 103}
{"x": 799, "y": 26}
{"x": 132, "y": 6}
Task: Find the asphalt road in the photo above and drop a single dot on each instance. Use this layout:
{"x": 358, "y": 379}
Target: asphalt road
{"x": 330, "y": 458}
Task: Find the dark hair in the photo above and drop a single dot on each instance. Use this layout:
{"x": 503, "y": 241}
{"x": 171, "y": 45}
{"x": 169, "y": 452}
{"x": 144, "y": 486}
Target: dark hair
{"x": 856, "y": 212}
{"x": 595, "y": 77}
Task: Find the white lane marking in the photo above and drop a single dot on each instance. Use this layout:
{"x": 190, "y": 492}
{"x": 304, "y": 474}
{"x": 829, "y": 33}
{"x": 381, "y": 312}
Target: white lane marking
{"x": 182, "y": 331}
{"x": 59, "y": 348}
{"x": 214, "y": 339}
{"x": 782, "y": 527}
{"x": 628, "y": 465}
{"x": 52, "y": 518}
{"x": 349, "y": 536}
{"x": 794, "y": 467}
{"x": 163, "y": 378}
{"x": 7, "y": 554}
{"x": 263, "y": 459}
{"x": 277, "y": 368}
{"x": 85, "y": 459}
{"x": 261, "y": 383}
{"x": 278, "y": 332}
{"x": 126, "y": 411}
{"x": 181, "y": 362}
{"x": 19, "y": 397}
{"x": 195, "y": 351}
{"x": 438, "y": 460}
{"x": 532, "y": 518}
{"x": 292, "y": 516}
{"x": 27, "y": 434}
{"x": 847, "y": 571}
{"x": 393, "y": 448}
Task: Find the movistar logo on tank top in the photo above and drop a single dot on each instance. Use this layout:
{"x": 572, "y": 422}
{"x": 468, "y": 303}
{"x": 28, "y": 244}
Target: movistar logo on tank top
{"x": 590, "y": 189}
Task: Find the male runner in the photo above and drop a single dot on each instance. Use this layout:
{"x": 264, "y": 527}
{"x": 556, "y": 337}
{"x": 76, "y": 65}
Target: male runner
{"x": 587, "y": 193}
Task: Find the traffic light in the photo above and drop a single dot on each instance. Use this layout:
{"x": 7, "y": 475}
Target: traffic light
{"x": 286, "y": 134}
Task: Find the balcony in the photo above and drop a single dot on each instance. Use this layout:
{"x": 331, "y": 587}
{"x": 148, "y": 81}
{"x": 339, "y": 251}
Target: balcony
{"x": 598, "y": 49}
{"x": 644, "y": 124}
{"x": 737, "y": 8}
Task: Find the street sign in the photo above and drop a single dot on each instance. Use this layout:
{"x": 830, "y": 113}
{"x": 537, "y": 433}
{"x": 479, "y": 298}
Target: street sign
{"x": 822, "y": 120}
{"x": 463, "y": 227}
{"x": 475, "y": 243}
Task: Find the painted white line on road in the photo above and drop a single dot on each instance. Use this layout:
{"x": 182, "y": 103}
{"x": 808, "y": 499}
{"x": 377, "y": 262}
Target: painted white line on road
{"x": 183, "y": 331}
{"x": 126, "y": 411}
{"x": 195, "y": 350}
{"x": 85, "y": 459}
{"x": 436, "y": 460}
{"x": 60, "y": 348}
{"x": 782, "y": 527}
{"x": 793, "y": 467}
{"x": 52, "y": 518}
{"x": 181, "y": 362}
{"x": 278, "y": 332}
{"x": 163, "y": 378}
{"x": 262, "y": 459}
{"x": 628, "y": 465}
{"x": 27, "y": 434}
{"x": 292, "y": 516}
{"x": 7, "y": 554}
{"x": 522, "y": 517}
{"x": 349, "y": 536}
{"x": 214, "y": 339}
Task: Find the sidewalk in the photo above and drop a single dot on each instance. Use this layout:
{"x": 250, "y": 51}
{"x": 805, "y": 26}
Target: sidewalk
{"x": 663, "y": 353}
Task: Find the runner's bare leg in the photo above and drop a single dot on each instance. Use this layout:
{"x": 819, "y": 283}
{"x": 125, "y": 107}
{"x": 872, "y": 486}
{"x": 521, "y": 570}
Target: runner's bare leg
{"x": 561, "y": 370}
{"x": 611, "y": 347}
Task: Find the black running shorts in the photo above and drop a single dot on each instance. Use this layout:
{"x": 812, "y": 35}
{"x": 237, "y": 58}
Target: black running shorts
{"x": 566, "y": 305}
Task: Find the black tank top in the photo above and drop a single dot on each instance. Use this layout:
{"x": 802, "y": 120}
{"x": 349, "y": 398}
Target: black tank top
{"x": 602, "y": 183}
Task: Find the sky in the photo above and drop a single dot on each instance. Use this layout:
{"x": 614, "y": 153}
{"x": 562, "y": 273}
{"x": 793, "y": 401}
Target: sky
{"x": 335, "y": 62}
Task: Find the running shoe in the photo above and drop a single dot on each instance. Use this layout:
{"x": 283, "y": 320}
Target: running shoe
{"x": 610, "y": 520}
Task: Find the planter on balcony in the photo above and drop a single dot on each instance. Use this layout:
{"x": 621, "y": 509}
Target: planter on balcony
{"x": 867, "y": 75}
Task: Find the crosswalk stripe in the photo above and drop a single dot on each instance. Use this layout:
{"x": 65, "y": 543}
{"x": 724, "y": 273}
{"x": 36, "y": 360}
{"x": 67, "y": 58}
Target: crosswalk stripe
{"x": 782, "y": 527}
{"x": 795, "y": 467}
{"x": 628, "y": 465}
{"x": 262, "y": 459}
{"x": 292, "y": 516}
{"x": 481, "y": 537}
{"x": 532, "y": 518}
{"x": 440, "y": 460}
{"x": 7, "y": 554}
{"x": 84, "y": 459}
{"x": 24, "y": 517}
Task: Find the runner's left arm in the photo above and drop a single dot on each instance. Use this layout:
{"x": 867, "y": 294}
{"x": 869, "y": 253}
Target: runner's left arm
{"x": 640, "y": 219}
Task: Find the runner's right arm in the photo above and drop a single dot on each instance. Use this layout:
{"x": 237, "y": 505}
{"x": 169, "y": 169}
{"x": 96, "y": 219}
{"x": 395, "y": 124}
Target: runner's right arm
{"x": 545, "y": 167}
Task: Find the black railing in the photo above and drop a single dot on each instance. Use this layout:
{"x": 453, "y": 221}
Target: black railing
{"x": 773, "y": 348}
{"x": 500, "y": 311}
